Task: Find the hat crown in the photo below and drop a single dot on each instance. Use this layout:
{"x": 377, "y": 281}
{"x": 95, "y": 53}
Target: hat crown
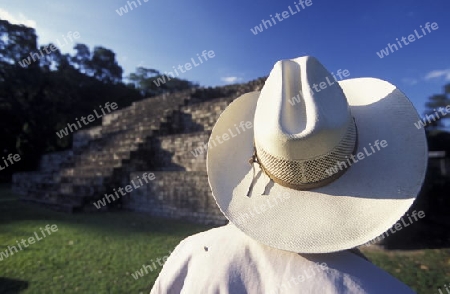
{"x": 302, "y": 112}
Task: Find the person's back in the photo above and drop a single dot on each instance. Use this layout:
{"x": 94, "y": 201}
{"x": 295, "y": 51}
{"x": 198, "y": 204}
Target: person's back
{"x": 225, "y": 260}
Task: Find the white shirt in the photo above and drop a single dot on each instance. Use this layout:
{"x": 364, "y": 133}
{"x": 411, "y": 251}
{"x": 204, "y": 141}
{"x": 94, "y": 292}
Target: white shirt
{"x": 225, "y": 260}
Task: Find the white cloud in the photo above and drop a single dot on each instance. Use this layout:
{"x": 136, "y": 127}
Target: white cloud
{"x": 230, "y": 80}
{"x": 409, "y": 81}
{"x": 19, "y": 19}
{"x": 436, "y": 74}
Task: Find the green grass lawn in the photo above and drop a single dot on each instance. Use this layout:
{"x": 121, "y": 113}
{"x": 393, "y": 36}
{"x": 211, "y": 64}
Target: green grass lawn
{"x": 98, "y": 252}
{"x": 425, "y": 271}
{"x": 90, "y": 253}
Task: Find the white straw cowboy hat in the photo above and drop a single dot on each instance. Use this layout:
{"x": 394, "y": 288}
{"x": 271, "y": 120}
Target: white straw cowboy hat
{"x": 286, "y": 196}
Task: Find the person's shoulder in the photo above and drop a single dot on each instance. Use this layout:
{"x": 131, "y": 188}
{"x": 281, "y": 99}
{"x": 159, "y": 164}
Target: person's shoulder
{"x": 213, "y": 236}
{"x": 354, "y": 274}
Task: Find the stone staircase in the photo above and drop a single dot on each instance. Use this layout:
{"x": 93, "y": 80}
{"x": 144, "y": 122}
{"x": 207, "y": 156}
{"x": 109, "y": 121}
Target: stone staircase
{"x": 157, "y": 135}
{"x": 71, "y": 179}
{"x": 180, "y": 189}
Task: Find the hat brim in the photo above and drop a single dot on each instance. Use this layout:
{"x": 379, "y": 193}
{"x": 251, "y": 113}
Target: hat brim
{"x": 364, "y": 202}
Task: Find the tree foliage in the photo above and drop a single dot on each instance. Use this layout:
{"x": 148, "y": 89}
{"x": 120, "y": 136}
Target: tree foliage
{"x": 436, "y": 102}
{"x": 437, "y": 133}
{"x": 39, "y": 99}
{"x": 148, "y": 81}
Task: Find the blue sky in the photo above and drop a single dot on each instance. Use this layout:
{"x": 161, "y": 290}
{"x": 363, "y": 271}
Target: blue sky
{"x": 341, "y": 34}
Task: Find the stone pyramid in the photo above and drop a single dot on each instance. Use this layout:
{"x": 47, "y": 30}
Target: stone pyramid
{"x": 163, "y": 135}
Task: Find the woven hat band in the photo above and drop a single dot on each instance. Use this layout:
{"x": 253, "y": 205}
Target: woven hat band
{"x": 312, "y": 173}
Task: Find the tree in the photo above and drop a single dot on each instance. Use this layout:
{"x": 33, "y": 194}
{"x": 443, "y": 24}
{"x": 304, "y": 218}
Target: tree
{"x": 16, "y": 42}
{"x": 438, "y": 104}
{"x": 148, "y": 82}
{"x": 82, "y": 58}
{"x": 104, "y": 67}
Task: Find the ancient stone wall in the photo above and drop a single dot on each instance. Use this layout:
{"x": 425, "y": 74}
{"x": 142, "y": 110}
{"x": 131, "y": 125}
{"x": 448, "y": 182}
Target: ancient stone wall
{"x": 53, "y": 161}
{"x": 177, "y": 152}
{"x": 177, "y": 195}
{"x": 83, "y": 137}
{"x": 203, "y": 116}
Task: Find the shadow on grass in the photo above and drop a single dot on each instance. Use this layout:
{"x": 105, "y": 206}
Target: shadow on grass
{"x": 11, "y": 286}
{"x": 119, "y": 222}
{"x": 6, "y": 193}
{"x": 417, "y": 233}
{"x": 424, "y": 234}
